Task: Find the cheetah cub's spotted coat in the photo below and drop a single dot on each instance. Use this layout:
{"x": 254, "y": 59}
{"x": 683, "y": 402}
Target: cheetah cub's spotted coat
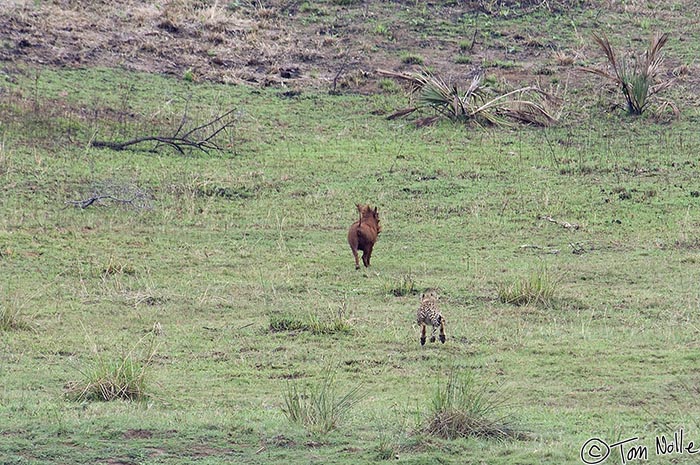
{"x": 428, "y": 314}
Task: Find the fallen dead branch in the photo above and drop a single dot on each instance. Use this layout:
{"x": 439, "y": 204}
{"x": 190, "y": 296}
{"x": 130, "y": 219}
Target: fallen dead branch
{"x": 202, "y": 137}
{"x": 122, "y": 194}
{"x": 563, "y": 224}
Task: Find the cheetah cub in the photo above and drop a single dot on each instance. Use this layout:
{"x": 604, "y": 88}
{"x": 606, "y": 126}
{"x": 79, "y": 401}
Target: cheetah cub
{"x": 428, "y": 314}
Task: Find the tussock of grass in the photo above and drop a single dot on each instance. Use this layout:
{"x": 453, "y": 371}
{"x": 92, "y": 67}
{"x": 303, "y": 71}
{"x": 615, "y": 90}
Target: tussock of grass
{"x": 386, "y": 85}
{"x": 404, "y": 285}
{"x": 11, "y": 318}
{"x": 461, "y": 408}
{"x": 319, "y": 408}
{"x": 117, "y": 268}
{"x": 120, "y": 378}
{"x": 411, "y": 59}
{"x": 539, "y": 288}
{"x": 311, "y": 322}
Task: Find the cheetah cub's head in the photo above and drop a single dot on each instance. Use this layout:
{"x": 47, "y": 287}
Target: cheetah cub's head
{"x": 429, "y": 294}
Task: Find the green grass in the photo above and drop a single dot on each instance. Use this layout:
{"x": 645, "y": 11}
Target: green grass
{"x": 410, "y": 58}
{"x": 538, "y": 288}
{"x": 461, "y": 407}
{"x": 319, "y": 408}
{"x": 108, "y": 378}
{"x": 236, "y": 242}
{"x": 310, "y": 322}
{"x": 11, "y": 318}
{"x": 403, "y": 285}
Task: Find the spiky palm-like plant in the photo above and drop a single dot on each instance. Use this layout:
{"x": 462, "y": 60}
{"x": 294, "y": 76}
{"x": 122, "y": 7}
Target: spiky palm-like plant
{"x": 636, "y": 75}
{"x": 474, "y": 103}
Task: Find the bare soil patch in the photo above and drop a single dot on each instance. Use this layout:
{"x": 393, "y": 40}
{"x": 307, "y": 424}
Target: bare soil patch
{"x": 138, "y": 434}
{"x": 297, "y": 44}
{"x": 333, "y": 44}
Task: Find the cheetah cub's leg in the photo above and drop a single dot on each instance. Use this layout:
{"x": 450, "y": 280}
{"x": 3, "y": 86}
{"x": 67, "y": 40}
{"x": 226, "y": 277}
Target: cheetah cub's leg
{"x": 442, "y": 330}
{"x": 422, "y": 334}
{"x": 432, "y": 335}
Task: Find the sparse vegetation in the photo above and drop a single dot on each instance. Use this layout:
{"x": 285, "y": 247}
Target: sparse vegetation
{"x": 388, "y": 85}
{"x": 251, "y": 237}
{"x": 408, "y": 58}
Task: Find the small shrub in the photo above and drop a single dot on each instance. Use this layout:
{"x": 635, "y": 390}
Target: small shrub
{"x": 319, "y": 408}
{"x": 109, "y": 379}
{"x": 539, "y": 288}
{"x": 463, "y": 60}
{"x": 461, "y": 408}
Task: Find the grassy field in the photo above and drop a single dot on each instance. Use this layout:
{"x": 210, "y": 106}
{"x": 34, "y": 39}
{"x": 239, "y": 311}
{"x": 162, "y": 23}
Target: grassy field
{"x": 230, "y": 284}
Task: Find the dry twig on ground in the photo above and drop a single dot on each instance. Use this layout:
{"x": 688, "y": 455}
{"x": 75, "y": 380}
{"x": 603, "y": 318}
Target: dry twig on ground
{"x": 124, "y": 194}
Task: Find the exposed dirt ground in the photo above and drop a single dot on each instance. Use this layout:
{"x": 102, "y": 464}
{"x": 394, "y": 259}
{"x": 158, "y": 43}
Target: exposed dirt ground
{"x": 333, "y": 44}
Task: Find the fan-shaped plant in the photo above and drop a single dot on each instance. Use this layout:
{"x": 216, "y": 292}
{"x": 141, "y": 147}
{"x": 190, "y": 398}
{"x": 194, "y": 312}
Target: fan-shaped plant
{"x": 636, "y": 75}
{"x": 474, "y": 103}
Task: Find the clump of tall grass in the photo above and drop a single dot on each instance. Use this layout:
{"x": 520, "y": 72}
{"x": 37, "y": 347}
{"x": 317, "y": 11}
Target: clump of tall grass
{"x": 319, "y": 408}
{"x": 461, "y": 407}
{"x": 409, "y": 58}
{"x": 637, "y": 76}
{"x": 330, "y": 323}
{"x": 404, "y": 285}
{"x": 538, "y": 288}
{"x": 11, "y": 318}
{"x": 122, "y": 377}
